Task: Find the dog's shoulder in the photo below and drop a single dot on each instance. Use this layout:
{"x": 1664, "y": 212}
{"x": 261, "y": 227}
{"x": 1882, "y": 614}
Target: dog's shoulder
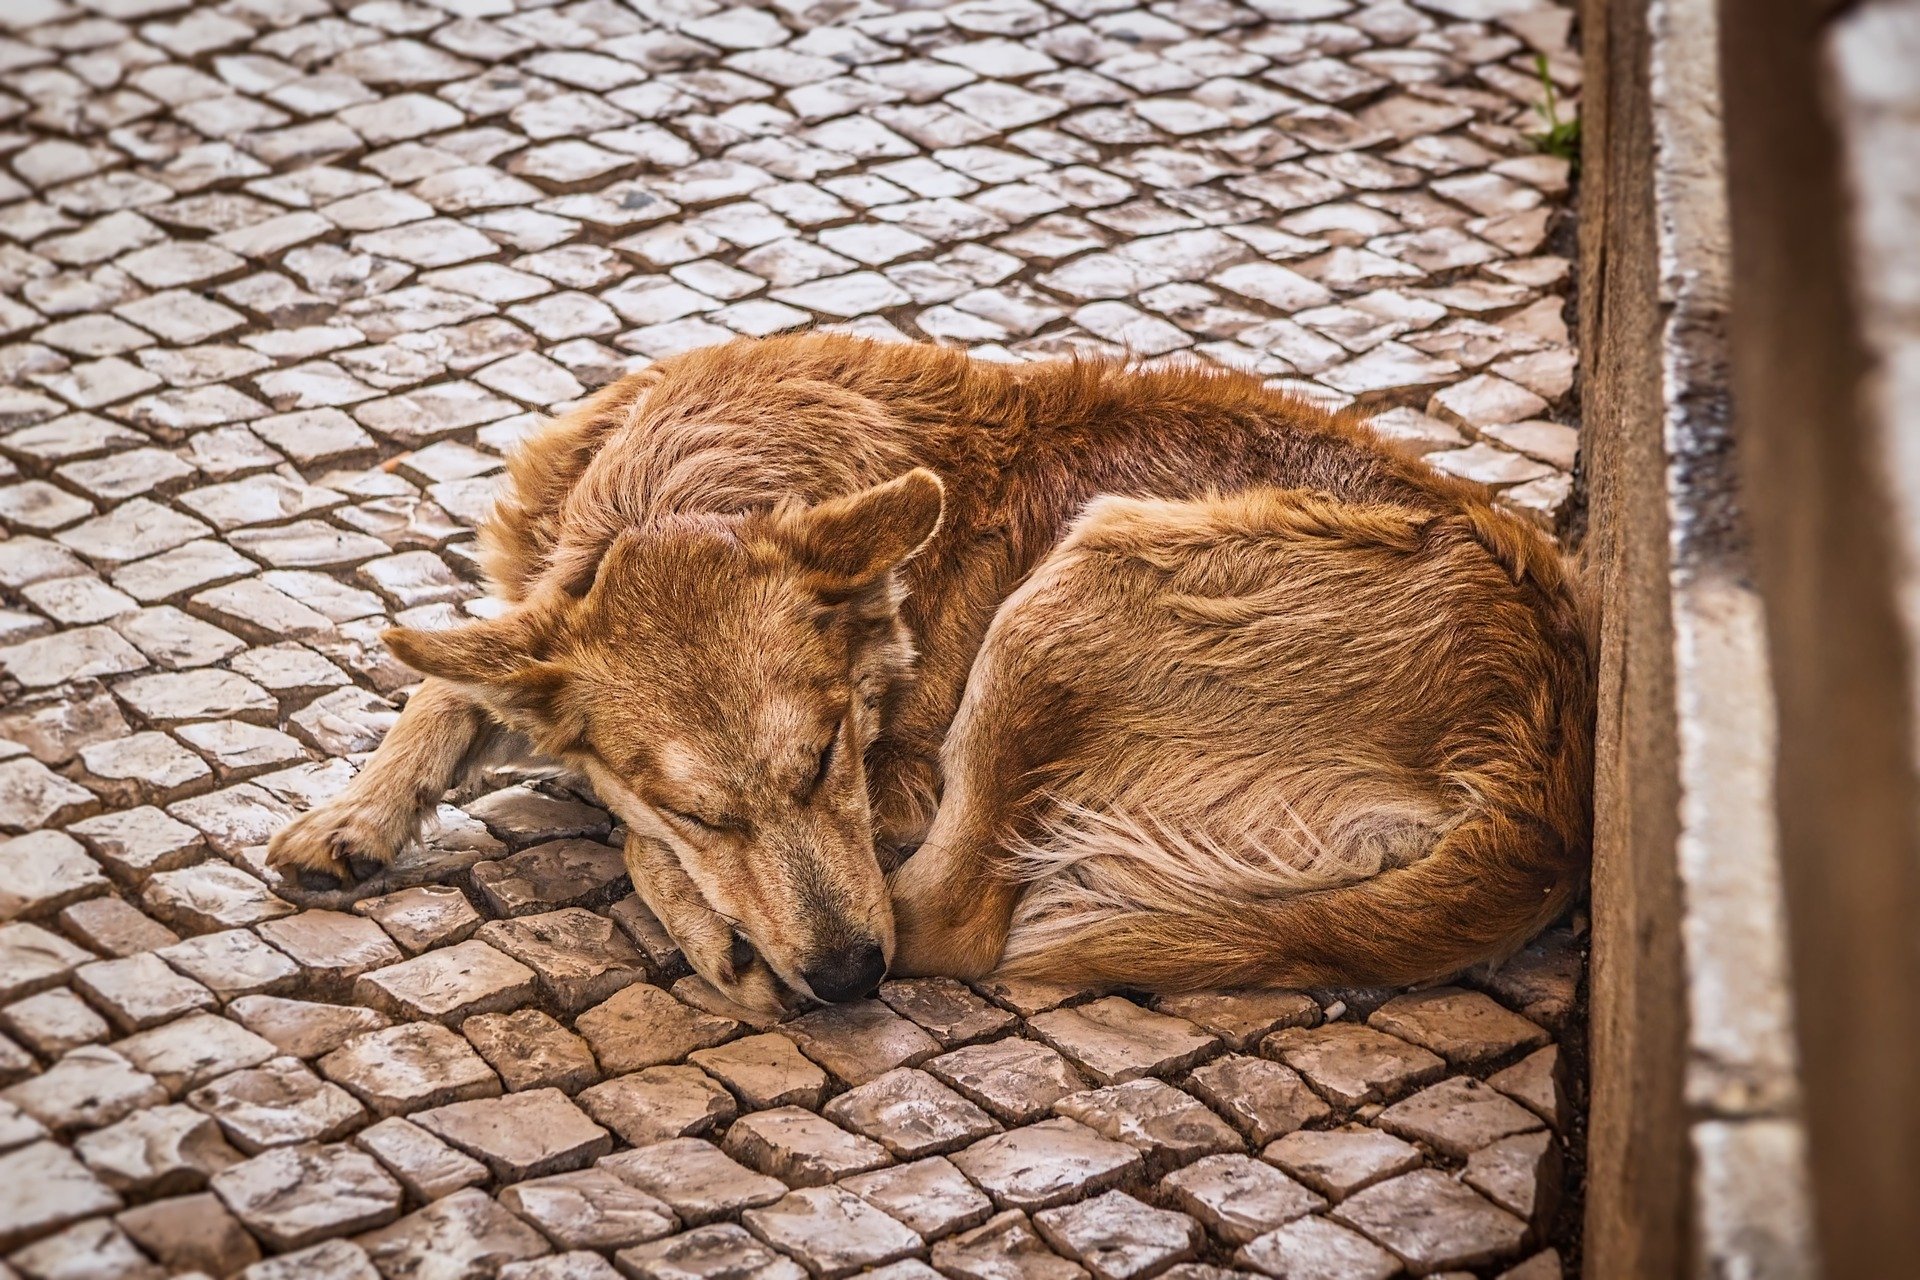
{"x": 522, "y": 526}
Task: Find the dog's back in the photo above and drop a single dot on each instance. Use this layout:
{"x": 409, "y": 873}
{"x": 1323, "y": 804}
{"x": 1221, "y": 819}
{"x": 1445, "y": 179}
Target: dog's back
{"x": 1021, "y": 448}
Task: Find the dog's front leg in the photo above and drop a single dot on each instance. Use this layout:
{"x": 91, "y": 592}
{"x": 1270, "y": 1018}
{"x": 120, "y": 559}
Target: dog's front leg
{"x": 358, "y": 833}
{"x": 953, "y": 900}
{"x": 705, "y": 937}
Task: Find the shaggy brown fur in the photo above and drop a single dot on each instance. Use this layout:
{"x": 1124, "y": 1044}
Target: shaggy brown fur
{"x": 1183, "y": 682}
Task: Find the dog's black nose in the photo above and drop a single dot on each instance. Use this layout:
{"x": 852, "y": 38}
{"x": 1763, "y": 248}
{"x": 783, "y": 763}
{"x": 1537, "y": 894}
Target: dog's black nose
{"x": 849, "y": 973}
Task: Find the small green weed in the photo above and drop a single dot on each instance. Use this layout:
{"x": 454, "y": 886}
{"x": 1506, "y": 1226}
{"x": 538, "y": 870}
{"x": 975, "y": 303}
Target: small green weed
{"x": 1561, "y": 137}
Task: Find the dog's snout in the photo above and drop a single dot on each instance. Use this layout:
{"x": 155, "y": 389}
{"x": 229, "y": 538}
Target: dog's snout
{"x": 849, "y": 973}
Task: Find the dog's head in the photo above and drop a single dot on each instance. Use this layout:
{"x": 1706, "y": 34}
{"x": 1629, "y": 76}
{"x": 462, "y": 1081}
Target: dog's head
{"x": 719, "y": 679}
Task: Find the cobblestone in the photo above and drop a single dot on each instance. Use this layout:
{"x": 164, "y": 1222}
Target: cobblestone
{"x": 800, "y": 1148}
{"x": 531, "y": 1051}
{"x": 911, "y": 1114}
{"x": 53, "y": 1022}
{"x": 1338, "y": 1162}
{"x": 764, "y": 1071}
{"x": 1168, "y": 1126}
{"x": 697, "y": 1179}
{"x": 589, "y": 1209}
{"x": 860, "y": 1041}
{"x": 579, "y": 957}
{"x": 1521, "y": 1174}
{"x": 707, "y": 1253}
{"x": 522, "y": 1135}
{"x": 190, "y": 1051}
{"x": 1046, "y": 1164}
{"x": 427, "y": 1167}
{"x": 31, "y": 958}
{"x": 140, "y": 991}
{"x": 1114, "y": 1040}
{"x": 114, "y": 927}
{"x": 407, "y": 1067}
{"x": 930, "y": 1196}
{"x": 49, "y": 1189}
{"x": 643, "y": 1026}
{"x": 190, "y": 1233}
{"x": 1464, "y": 1027}
{"x": 1350, "y": 1065}
{"x": 1538, "y": 1083}
{"x": 1117, "y": 1237}
{"x": 303, "y": 1028}
{"x": 831, "y": 1232}
{"x": 1017, "y": 1080}
{"x": 209, "y": 896}
{"x": 465, "y": 1234}
{"x": 946, "y": 1010}
{"x": 330, "y": 948}
{"x": 166, "y": 1150}
{"x": 88, "y": 1088}
{"x": 423, "y": 917}
{"x": 280, "y": 283}
{"x": 1457, "y": 1116}
{"x": 1316, "y": 1249}
{"x": 1005, "y": 1245}
{"x": 293, "y": 1196}
{"x": 1263, "y": 1099}
{"x": 42, "y": 872}
{"x": 1238, "y": 1198}
{"x": 1241, "y": 1018}
{"x": 1433, "y": 1223}
{"x": 561, "y": 873}
{"x": 452, "y": 984}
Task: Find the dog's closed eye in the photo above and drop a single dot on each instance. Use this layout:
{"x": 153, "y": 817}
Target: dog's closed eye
{"x": 825, "y": 761}
{"x": 705, "y": 824}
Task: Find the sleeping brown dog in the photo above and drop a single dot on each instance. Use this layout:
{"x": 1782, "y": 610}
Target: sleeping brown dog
{"x": 891, "y": 658}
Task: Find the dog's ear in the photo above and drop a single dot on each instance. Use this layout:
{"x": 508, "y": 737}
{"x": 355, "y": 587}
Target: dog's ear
{"x": 499, "y": 659}
{"x": 853, "y": 541}
{"x": 579, "y": 571}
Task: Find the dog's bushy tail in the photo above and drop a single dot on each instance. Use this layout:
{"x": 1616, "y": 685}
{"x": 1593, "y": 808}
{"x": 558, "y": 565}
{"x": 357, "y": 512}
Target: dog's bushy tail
{"x": 1488, "y": 885}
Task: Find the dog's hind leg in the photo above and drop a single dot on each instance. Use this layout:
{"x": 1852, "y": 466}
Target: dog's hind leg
{"x": 355, "y": 835}
{"x": 1018, "y": 726}
{"x": 1260, "y": 739}
{"x": 953, "y": 900}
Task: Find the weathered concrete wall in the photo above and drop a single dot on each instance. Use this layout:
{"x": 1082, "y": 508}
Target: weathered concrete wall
{"x": 1823, "y": 133}
{"x": 1695, "y": 1153}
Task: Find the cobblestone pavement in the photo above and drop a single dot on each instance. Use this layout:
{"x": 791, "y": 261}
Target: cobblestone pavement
{"x": 279, "y": 282}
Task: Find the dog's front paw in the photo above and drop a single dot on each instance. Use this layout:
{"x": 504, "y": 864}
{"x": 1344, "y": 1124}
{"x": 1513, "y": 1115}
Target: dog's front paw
{"x": 756, "y": 989}
{"x": 337, "y": 845}
{"x": 926, "y": 948}
{"x": 934, "y": 936}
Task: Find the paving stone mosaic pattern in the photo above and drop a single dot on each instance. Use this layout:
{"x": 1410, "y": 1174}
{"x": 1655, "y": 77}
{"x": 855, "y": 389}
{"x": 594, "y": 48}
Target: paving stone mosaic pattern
{"x": 281, "y": 280}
